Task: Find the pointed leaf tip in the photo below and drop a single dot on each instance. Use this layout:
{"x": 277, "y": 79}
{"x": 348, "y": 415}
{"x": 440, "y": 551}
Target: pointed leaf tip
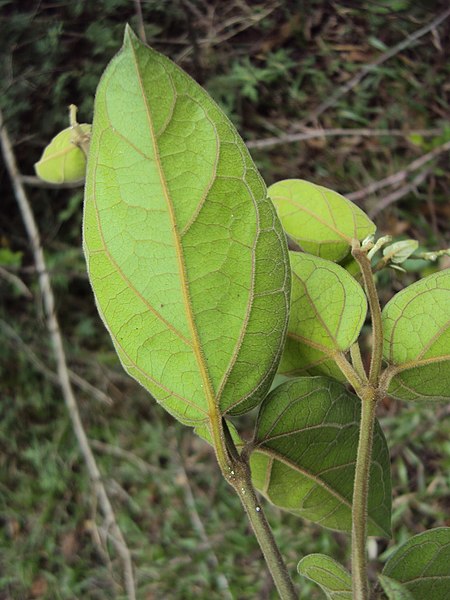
{"x": 129, "y": 37}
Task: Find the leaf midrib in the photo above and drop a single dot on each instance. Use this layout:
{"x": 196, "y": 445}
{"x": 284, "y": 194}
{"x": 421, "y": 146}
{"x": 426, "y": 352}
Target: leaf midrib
{"x": 204, "y": 373}
{"x": 275, "y": 455}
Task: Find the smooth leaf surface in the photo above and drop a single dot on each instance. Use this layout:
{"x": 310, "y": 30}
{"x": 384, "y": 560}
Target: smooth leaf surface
{"x": 320, "y": 220}
{"x": 186, "y": 256}
{"x": 332, "y": 577}
{"x": 417, "y": 339}
{"x": 328, "y": 309}
{"x": 304, "y": 454}
{"x": 393, "y": 589}
{"x": 422, "y": 565}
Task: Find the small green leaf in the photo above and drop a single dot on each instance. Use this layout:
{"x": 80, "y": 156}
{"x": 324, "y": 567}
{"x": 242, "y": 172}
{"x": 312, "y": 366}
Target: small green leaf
{"x": 321, "y": 221}
{"x": 422, "y": 565}
{"x": 62, "y": 160}
{"x": 328, "y": 309}
{"x": 186, "y": 256}
{"x": 416, "y": 326}
{"x": 332, "y": 577}
{"x": 304, "y": 454}
{"x": 393, "y": 589}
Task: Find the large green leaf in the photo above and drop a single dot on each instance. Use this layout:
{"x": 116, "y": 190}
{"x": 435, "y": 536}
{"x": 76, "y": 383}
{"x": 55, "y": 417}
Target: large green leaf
{"x": 304, "y": 454}
{"x": 393, "y": 589}
{"x": 417, "y": 339}
{"x": 186, "y": 256}
{"x": 422, "y": 565}
{"x": 332, "y": 577}
{"x": 321, "y": 221}
{"x": 328, "y": 309}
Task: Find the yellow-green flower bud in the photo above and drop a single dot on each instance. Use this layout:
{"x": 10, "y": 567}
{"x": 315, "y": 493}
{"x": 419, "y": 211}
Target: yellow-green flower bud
{"x": 63, "y": 161}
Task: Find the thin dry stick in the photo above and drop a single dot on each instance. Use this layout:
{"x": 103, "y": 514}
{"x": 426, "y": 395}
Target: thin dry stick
{"x": 366, "y": 69}
{"x": 141, "y": 464}
{"x": 400, "y": 176}
{"x": 197, "y": 524}
{"x": 399, "y": 193}
{"x": 140, "y": 20}
{"x": 36, "y": 182}
{"x": 63, "y": 372}
{"x": 310, "y": 134}
{"x": 53, "y": 377}
{"x": 15, "y": 281}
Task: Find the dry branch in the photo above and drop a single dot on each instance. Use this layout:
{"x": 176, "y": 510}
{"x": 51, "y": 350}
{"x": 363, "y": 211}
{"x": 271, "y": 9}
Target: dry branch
{"x": 400, "y": 176}
{"x": 60, "y": 357}
{"x": 372, "y": 66}
{"x": 310, "y": 134}
{"x": 53, "y": 377}
{"x": 399, "y": 193}
{"x": 334, "y": 98}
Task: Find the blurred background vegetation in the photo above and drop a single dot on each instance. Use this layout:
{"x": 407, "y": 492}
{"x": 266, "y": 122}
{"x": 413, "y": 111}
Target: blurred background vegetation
{"x": 270, "y": 64}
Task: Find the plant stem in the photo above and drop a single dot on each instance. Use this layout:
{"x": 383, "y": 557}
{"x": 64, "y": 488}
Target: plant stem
{"x": 238, "y": 475}
{"x": 361, "y": 493}
{"x": 347, "y": 369}
{"x": 355, "y": 353}
{"x": 246, "y": 492}
{"x": 376, "y": 360}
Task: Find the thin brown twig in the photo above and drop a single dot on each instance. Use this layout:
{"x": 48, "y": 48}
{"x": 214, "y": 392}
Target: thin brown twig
{"x": 76, "y": 379}
{"x": 15, "y": 281}
{"x": 399, "y": 193}
{"x": 34, "y": 181}
{"x": 182, "y": 479}
{"x": 140, "y": 463}
{"x": 400, "y": 176}
{"x": 140, "y": 21}
{"x": 368, "y": 68}
{"x": 310, "y": 134}
{"x": 60, "y": 357}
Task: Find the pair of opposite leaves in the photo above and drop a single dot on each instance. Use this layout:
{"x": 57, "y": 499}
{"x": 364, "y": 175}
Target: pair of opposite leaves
{"x": 189, "y": 266}
{"x": 417, "y": 570}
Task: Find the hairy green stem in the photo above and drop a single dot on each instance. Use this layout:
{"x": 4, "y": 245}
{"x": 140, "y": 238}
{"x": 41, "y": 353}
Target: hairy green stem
{"x": 238, "y": 476}
{"x": 360, "y": 582}
{"x": 347, "y": 369}
{"x": 376, "y": 360}
{"x": 246, "y": 492}
{"x": 355, "y": 353}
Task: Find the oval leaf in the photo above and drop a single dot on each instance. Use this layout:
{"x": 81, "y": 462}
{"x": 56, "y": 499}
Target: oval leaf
{"x": 304, "y": 454}
{"x": 417, "y": 339}
{"x": 393, "y": 589}
{"x": 186, "y": 256}
{"x": 320, "y": 220}
{"x": 332, "y": 577}
{"x": 62, "y": 160}
{"x": 328, "y": 309}
{"x": 422, "y": 565}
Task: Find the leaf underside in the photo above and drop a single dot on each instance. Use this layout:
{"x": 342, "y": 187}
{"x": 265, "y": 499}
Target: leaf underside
{"x": 320, "y": 220}
{"x": 422, "y": 565}
{"x": 305, "y": 451}
{"x": 328, "y": 309}
{"x": 186, "y": 256}
{"x": 416, "y": 325}
{"x": 393, "y": 589}
{"x": 333, "y": 578}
